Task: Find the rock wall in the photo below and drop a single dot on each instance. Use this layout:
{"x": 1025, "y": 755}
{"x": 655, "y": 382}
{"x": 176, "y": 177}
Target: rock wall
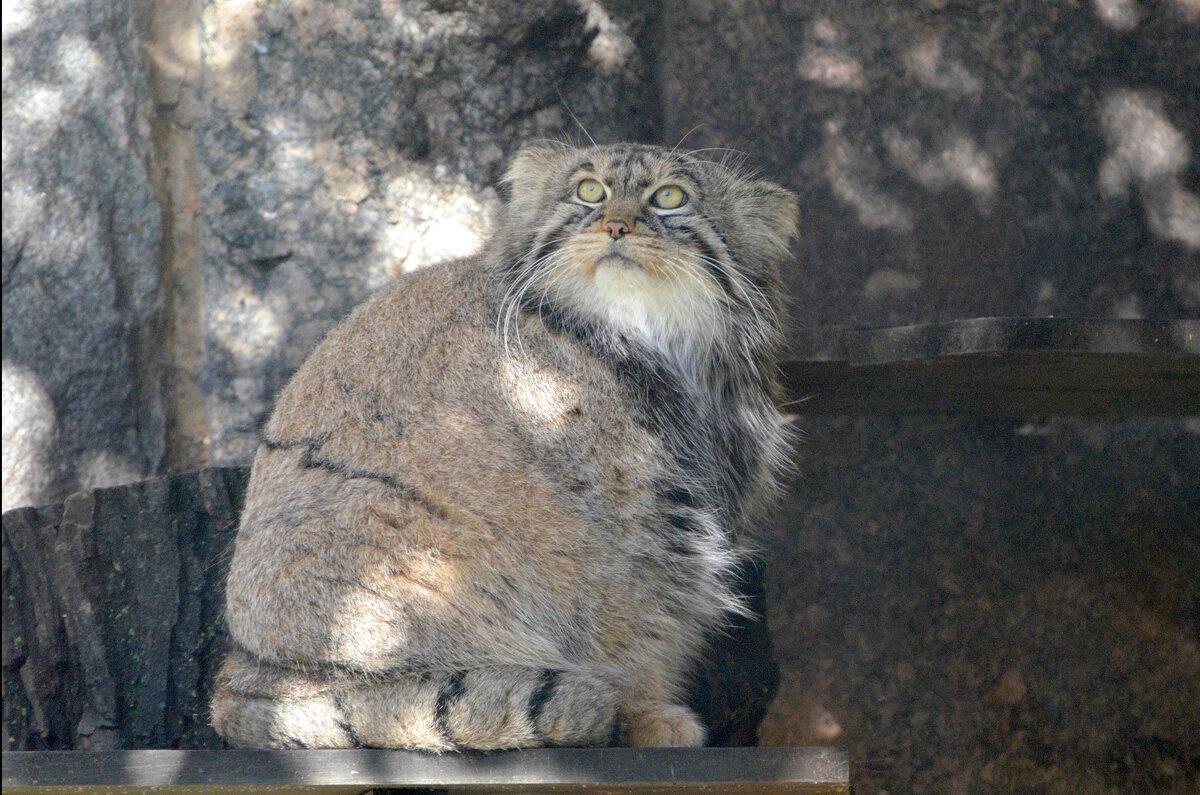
{"x": 972, "y": 605}
{"x": 330, "y": 147}
{"x": 196, "y": 191}
{"x": 967, "y": 605}
{"x": 83, "y": 303}
{"x": 1000, "y": 157}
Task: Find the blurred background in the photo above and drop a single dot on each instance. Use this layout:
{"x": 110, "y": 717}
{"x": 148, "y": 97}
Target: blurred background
{"x": 195, "y": 191}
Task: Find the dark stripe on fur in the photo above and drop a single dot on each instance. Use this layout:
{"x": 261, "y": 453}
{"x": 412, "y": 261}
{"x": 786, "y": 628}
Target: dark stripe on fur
{"x": 680, "y": 549}
{"x": 343, "y": 722}
{"x": 550, "y": 240}
{"x": 718, "y": 271}
{"x": 312, "y": 461}
{"x": 655, "y": 223}
{"x": 540, "y": 697}
{"x": 680, "y": 496}
{"x": 656, "y": 386}
{"x": 287, "y": 741}
{"x": 451, "y": 691}
{"x": 686, "y": 169}
{"x": 290, "y": 444}
{"x": 619, "y": 731}
{"x": 684, "y": 523}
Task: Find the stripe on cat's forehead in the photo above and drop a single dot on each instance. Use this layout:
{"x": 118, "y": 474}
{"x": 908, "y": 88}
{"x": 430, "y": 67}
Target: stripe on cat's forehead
{"x": 638, "y": 163}
{"x": 632, "y": 155}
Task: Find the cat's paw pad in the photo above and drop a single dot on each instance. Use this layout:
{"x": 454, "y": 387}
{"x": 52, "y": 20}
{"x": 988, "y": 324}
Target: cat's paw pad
{"x": 669, "y": 725}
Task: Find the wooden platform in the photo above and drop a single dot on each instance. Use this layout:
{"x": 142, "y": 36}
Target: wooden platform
{"x": 595, "y": 770}
{"x": 1000, "y": 367}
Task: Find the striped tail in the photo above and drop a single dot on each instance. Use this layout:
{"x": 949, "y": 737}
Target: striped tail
{"x": 257, "y": 705}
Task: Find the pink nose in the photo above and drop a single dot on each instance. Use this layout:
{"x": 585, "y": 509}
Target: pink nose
{"x": 616, "y": 228}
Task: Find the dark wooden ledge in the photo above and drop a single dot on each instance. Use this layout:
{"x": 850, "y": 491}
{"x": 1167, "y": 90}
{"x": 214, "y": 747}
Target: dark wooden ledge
{"x": 615, "y": 770}
{"x": 998, "y": 367}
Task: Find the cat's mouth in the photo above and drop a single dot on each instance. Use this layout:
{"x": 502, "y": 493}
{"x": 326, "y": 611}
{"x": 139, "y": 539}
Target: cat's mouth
{"x": 632, "y": 251}
{"x": 615, "y": 259}
{"x": 631, "y": 254}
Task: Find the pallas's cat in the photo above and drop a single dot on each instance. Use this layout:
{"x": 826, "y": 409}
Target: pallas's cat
{"x": 499, "y": 506}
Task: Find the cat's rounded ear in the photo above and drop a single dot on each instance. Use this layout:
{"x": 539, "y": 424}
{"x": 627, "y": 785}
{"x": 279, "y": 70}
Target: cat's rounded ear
{"x": 777, "y": 209}
{"x": 528, "y": 165}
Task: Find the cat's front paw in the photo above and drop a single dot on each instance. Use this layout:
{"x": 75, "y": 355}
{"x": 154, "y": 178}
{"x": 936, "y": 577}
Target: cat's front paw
{"x": 668, "y": 725}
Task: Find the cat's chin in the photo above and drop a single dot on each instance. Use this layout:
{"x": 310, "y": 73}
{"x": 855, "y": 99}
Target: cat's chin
{"x": 617, "y": 260}
{"x": 660, "y": 307}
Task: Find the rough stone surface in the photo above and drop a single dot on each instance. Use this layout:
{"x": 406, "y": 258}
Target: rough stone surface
{"x": 961, "y": 159}
{"x": 976, "y": 606}
{"x": 342, "y": 144}
{"x": 113, "y": 623}
{"x": 82, "y": 404}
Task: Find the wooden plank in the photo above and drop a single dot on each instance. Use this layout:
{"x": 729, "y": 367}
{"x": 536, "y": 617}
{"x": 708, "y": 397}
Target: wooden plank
{"x": 999, "y": 367}
{"x": 611, "y": 770}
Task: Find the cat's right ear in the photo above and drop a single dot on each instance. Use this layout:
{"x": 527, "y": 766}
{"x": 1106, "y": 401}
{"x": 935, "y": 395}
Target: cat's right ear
{"x": 527, "y": 166}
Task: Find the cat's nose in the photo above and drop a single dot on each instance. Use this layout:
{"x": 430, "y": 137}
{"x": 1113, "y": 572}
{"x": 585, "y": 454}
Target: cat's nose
{"x": 616, "y": 228}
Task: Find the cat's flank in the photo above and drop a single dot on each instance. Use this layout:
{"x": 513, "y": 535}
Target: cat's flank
{"x": 499, "y": 505}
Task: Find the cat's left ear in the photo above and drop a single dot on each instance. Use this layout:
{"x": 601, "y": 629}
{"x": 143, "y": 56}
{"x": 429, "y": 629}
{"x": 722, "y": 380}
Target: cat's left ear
{"x": 777, "y": 209}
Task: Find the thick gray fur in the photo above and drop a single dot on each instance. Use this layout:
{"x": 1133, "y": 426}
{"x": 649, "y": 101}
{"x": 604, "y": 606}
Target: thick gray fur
{"x": 502, "y": 503}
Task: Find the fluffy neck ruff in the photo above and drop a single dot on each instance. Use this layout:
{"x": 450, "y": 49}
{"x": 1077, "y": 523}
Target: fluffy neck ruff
{"x": 645, "y": 300}
{"x": 702, "y": 373}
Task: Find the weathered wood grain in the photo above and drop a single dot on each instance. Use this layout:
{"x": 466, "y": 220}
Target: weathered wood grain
{"x": 615, "y": 770}
{"x": 999, "y": 367}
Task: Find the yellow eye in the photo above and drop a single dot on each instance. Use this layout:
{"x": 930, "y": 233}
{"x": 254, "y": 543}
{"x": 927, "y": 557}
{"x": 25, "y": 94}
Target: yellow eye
{"x": 668, "y": 197}
{"x": 591, "y": 191}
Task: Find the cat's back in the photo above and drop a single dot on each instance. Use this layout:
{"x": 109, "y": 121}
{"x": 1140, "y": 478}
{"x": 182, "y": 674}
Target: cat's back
{"x": 434, "y": 369}
{"x": 428, "y": 325}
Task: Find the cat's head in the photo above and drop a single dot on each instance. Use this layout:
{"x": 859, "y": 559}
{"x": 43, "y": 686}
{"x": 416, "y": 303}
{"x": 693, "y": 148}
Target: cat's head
{"x": 668, "y": 247}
